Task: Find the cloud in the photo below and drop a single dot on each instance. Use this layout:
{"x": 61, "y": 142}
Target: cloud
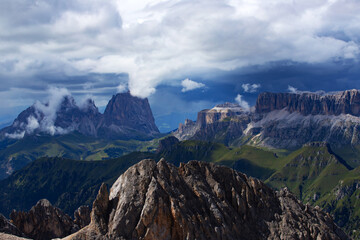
{"x": 189, "y": 85}
{"x": 244, "y": 104}
{"x": 250, "y": 88}
{"x": 122, "y": 88}
{"x": 49, "y": 110}
{"x": 292, "y": 89}
{"x": 44, "y": 115}
{"x": 32, "y": 125}
{"x": 16, "y": 135}
{"x": 153, "y": 41}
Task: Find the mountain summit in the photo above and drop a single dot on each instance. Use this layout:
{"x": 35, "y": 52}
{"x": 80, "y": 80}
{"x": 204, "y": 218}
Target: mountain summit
{"x": 125, "y": 117}
{"x": 126, "y": 114}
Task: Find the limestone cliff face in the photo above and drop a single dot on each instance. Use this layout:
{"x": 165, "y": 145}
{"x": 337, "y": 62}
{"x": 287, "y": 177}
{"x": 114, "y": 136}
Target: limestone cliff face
{"x": 200, "y": 201}
{"x": 282, "y": 120}
{"x": 224, "y": 122}
{"x": 347, "y": 102}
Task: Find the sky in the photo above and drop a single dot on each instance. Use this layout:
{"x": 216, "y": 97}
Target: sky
{"x": 184, "y": 55}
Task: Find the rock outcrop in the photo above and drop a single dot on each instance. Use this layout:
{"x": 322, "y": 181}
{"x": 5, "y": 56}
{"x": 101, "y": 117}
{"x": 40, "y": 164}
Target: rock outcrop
{"x": 282, "y": 120}
{"x": 224, "y": 123}
{"x": 128, "y": 116}
{"x": 82, "y": 216}
{"x": 7, "y": 227}
{"x": 5, "y": 236}
{"x": 199, "y": 200}
{"x": 43, "y": 221}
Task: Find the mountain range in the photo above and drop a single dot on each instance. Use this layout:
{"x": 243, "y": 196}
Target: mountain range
{"x": 313, "y": 173}
{"x": 62, "y": 128}
{"x": 307, "y": 142}
{"x": 125, "y": 117}
{"x": 283, "y": 121}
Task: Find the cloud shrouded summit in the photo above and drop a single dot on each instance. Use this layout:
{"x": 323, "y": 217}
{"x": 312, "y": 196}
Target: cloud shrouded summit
{"x": 91, "y": 47}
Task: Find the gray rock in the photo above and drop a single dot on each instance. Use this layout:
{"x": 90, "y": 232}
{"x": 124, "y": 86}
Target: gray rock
{"x": 199, "y": 200}
{"x": 82, "y": 216}
{"x": 5, "y": 236}
{"x": 129, "y": 116}
{"x": 7, "y": 227}
{"x": 281, "y": 120}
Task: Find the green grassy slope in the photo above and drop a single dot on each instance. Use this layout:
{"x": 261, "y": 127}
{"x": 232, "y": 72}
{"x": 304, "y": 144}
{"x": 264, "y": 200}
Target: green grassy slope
{"x": 260, "y": 163}
{"x": 343, "y": 202}
{"x": 320, "y": 177}
{"x": 72, "y": 146}
{"x": 309, "y": 171}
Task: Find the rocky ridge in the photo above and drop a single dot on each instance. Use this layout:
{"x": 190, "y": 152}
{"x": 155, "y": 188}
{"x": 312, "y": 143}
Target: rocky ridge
{"x": 346, "y": 102}
{"x": 44, "y": 221}
{"x": 199, "y": 200}
{"x": 125, "y": 117}
{"x": 281, "y": 120}
{"x": 9, "y": 228}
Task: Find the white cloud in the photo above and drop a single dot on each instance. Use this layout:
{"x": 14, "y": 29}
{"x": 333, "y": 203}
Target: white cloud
{"x": 189, "y": 85}
{"x": 32, "y": 124}
{"x": 122, "y": 88}
{"x": 250, "y": 88}
{"x": 292, "y": 89}
{"x": 153, "y": 41}
{"x": 16, "y": 135}
{"x": 50, "y": 109}
{"x": 244, "y": 104}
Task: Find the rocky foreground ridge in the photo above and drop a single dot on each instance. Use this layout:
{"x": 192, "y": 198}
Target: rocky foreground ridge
{"x": 44, "y": 221}
{"x": 281, "y": 120}
{"x": 199, "y": 200}
{"x": 125, "y": 117}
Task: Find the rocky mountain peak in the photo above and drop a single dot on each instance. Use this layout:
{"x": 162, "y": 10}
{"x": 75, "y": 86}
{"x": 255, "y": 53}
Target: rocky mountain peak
{"x": 89, "y": 106}
{"x": 68, "y": 102}
{"x": 125, "y": 117}
{"x": 199, "y": 200}
{"x": 125, "y": 112}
